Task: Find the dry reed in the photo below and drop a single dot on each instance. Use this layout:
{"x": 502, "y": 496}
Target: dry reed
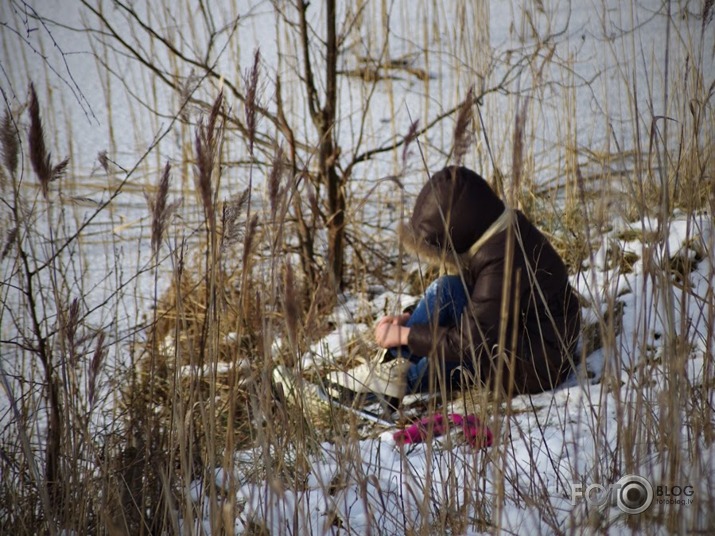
{"x": 9, "y": 143}
{"x": 196, "y": 386}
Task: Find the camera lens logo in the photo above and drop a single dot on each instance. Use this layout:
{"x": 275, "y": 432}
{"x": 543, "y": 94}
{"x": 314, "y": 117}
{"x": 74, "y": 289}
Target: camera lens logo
{"x": 634, "y": 494}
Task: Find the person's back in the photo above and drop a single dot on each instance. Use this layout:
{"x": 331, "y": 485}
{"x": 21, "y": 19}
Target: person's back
{"x": 503, "y": 314}
{"x": 460, "y": 222}
{"x": 542, "y": 311}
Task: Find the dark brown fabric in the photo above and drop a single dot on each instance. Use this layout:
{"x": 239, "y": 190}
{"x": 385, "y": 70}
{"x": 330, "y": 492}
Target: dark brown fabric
{"x": 543, "y": 313}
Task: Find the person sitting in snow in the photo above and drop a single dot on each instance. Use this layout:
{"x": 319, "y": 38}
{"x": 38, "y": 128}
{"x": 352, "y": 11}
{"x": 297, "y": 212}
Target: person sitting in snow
{"x": 503, "y": 313}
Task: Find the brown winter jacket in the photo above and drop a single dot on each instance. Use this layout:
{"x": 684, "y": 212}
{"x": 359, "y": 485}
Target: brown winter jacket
{"x": 459, "y": 222}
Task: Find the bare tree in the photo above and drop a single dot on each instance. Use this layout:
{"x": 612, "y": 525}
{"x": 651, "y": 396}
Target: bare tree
{"x": 323, "y": 117}
{"x": 321, "y": 203}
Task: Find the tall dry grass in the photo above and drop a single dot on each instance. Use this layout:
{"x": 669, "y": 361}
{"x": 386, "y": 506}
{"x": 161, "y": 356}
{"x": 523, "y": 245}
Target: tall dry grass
{"x": 198, "y": 387}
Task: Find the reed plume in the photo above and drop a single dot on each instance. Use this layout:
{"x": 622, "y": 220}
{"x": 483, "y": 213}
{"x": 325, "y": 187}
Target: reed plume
{"x": 462, "y": 137}
{"x": 103, "y": 160}
{"x": 40, "y": 157}
{"x": 250, "y": 102}
{"x": 517, "y": 156}
{"x": 9, "y": 143}
{"x": 274, "y": 181}
{"x": 206, "y": 152}
{"x": 9, "y": 242}
{"x": 161, "y": 211}
{"x": 291, "y": 303}
{"x": 95, "y": 366}
{"x": 72, "y": 322}
{"x": 708, "y": 12}
{"x": 230, "y": 222}
{"x": 249, "y": 241}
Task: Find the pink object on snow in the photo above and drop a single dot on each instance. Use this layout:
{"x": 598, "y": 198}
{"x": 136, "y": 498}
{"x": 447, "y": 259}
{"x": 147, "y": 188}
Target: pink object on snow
{"x": 476, "y": 434}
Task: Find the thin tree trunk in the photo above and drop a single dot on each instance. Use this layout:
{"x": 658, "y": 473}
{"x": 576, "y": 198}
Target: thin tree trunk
{"x": 324, "y": 120}
{"x": 329, "y": 155}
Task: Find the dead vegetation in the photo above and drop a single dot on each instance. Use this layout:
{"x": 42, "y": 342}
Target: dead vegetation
{"x": 107, "y": 430}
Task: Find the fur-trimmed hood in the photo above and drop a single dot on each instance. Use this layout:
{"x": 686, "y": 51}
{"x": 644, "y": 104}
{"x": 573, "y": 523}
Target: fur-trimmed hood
{"x": 455, "y": 213}
{"x": 448, "y": 261}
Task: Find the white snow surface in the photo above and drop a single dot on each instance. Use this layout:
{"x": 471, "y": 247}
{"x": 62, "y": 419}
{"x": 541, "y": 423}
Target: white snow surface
{"x": 550, "y": 442}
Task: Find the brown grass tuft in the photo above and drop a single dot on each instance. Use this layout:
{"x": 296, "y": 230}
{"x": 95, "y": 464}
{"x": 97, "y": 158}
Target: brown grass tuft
{"x": 186, "y": 386}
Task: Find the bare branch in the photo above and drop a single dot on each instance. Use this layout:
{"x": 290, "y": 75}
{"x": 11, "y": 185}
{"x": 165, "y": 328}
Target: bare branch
{"x": 313, "y": 101}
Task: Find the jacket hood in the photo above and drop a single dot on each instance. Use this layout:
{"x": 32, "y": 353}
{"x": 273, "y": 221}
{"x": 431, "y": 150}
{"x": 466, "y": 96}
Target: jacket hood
{"x": 452, "y": 212}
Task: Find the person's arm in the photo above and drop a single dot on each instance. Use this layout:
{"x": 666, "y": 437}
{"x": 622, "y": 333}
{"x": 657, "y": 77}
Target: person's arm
{"x": 478, "y": 329}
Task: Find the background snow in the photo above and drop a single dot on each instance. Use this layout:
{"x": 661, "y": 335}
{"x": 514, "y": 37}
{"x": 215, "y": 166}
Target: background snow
{"x": 552, "y": 440}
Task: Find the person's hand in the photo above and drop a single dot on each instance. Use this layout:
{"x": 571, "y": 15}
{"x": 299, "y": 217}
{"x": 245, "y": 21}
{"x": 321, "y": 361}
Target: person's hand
{"x": 398, "y": 320}
{"x": 390, "y": 331}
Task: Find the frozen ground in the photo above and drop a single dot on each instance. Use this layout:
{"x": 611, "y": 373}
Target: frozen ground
{"x": 550, "y": 444}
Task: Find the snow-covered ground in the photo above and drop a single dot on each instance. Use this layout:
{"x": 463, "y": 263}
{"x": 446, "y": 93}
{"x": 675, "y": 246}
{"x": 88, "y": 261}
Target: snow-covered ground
{"x": 549, "y": 447}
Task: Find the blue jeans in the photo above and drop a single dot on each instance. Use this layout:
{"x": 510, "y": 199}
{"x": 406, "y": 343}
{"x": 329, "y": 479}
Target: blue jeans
{"x": 444, "y": 301}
